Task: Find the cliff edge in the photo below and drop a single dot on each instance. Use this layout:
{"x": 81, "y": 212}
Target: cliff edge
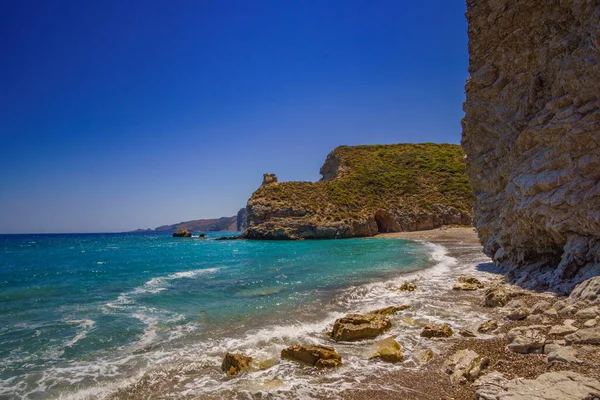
{"x": 531, "y": 134}
{"x": 366, "y": 190}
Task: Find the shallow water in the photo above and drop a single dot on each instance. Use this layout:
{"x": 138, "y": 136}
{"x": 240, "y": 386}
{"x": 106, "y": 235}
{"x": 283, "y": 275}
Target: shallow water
{"x": 147, "y": 315}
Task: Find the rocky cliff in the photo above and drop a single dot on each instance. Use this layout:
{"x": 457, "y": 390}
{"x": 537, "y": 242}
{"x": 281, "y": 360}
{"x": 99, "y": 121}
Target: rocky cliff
{"x": 366, "y": 190}
{"x": 241, "y": 219}
{"x": 532, "y": 136}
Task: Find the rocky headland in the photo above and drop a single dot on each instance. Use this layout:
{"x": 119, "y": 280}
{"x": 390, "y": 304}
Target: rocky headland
{"x": 532, "y": 137}
{"x": 366, "y": 190}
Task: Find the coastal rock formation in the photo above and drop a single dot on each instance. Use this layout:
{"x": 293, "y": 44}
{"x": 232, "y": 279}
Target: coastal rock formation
{"x": 465, "y": 365}
{"x": 234, "y": 363}
{"x": 318, "y": 356}
{"x": 182, "y": 233}
{"x": 201, "y": 225}
{"x": 359, "y": 326}
{"x": 241, "y": 222}
{"x": 366, "y": 190}
{"x": 437, "y": 331}
{"x": 467, "y": 283}
{"x": 388, "y": 350}
{"x": 531, "y": 136}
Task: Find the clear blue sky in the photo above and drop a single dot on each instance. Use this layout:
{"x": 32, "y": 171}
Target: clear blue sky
{"x": 116, "y": 115}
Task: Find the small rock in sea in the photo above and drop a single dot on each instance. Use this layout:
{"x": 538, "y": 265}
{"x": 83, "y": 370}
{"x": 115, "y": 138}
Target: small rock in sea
{"x": 467, "y": 283}
{"x": 234, "y": 363}
{"x": 410, "y": 321}
{"x": 388, "y": 350}
{"x": 437, "y": 331}
{"x": 465, "y": 366}
{"x": 359, "y": 326}
{"x": 408, "y": 287}
{"x": 488, "y": 326}
{"x": 391, "y": 310}
{"x": 527, "y": 339}
{"x": 496, "y": 296}
{"x": 182, "y": 233}
{"x": 317, "y": 356}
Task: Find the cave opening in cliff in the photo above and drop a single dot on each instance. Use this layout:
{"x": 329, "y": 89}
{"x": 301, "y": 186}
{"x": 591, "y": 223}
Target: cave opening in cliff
{"x": 385, "y": 222}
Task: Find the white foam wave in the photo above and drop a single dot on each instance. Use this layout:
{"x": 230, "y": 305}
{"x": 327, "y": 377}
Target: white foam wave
{"x": 85, "y": 326}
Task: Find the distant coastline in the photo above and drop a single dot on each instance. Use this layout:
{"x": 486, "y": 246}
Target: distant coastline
{"x": 223, "y": 224}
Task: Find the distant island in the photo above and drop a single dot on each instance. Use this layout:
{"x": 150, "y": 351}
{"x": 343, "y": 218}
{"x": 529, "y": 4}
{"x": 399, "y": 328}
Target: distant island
{"x": 223, "y": 224}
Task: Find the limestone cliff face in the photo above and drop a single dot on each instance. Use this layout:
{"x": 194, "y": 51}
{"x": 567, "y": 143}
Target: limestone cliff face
{"x": 532, "y": 136}
{"x": 366, "y": 190}
{"x": 242, "y": 219}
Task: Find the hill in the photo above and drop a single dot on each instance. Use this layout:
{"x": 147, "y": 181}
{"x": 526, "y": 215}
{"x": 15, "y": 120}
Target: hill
{"x": 366, "y": 190}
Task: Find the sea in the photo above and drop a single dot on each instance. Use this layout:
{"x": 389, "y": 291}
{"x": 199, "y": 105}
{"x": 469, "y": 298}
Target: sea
{"x": 146, "y": 315}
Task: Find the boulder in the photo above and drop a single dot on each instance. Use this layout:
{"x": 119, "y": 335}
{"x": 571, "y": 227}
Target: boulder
{"x": 359, "y": 326}
{"x": 234, "y": 363}
{"x": 467, "y": 283}
{"x": 425, "y": 355}
{"x": 391, "y": 310}
{"x": 182, "y": 233}
{"x": 540, "y": 307}
{"x": 317, "y": 356}
{"x": 559, "y": 353}
{"x": 408, "y": 287}
{"x": 388, "y": 350}
{"x": 588, "y": 313}
{"x": 496, "y": 296}
{"x": 517, "y": 310}
{"x": 488, "y": 326}
{"x": 584, "y": 336}
{"x": 527, "y": 339}
{"x": 590, "y": 323}
{"x": 564, "y": 329}
{"x": 438, "y": 331}
{"x": 465, "y": 366}
{"x": 587, "y": 292}
{"x": 563, "y": 385}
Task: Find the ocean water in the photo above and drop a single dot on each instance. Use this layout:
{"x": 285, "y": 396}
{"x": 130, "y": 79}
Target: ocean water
{"x": 151, "y": 316}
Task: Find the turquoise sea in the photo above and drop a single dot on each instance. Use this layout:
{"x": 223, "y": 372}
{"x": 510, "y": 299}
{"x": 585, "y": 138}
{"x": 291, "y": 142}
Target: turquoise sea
{"x": 151, "y": 316}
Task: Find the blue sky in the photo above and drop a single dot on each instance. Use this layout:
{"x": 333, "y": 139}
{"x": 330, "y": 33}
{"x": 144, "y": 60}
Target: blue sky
{"x": 116, "y": 115}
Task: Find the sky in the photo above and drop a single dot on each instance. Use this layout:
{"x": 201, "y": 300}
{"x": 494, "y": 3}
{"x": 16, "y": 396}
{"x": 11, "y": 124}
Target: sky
{"x": 118, "y": 115}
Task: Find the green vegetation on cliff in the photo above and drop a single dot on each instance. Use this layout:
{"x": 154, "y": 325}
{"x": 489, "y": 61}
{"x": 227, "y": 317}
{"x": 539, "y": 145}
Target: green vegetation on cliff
{"x": 402, "y": 181}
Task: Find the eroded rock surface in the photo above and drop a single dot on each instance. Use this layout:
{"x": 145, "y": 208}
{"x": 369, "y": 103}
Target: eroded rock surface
{"x": 318, "y": 356}
{"x": 234, "y": 363}
{"x": 531, "y": 136}
{"x": 359, "y": 326}
{"x": 388, "y": 350}
{"x": 465, "y": 365}
{"x": 563, "y": 385}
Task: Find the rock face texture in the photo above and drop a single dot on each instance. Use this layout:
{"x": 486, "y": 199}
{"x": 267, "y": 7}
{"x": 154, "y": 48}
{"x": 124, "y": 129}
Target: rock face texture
{"x": 366, "y": 190}
{"x": 242, "y": 219}
{"x": 531, "y": 134}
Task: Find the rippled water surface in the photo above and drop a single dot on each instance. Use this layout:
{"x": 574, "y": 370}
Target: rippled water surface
{"x": 95, "y": 315}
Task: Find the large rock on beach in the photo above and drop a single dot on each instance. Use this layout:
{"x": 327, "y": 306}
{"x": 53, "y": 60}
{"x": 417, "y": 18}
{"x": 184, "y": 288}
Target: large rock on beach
{"x": 437, "y": 331}
{"x": 234, "y": 363}
{"x": 467, "y": 283}
{"x": 584, "y": 336}
{"x": 182, "y": 233}
{"x": 496, "y": 296}
{"x": 359, "y": 326}
{"x": 388, "y": 350}
{"x": 563, "y": 385}
{"x": 527, "y": 339}
{"x": 488, "y": 326}
{"x": 530, "y": 133}
{"x": 317, "y": 356}
{"x": 465, "y": 365}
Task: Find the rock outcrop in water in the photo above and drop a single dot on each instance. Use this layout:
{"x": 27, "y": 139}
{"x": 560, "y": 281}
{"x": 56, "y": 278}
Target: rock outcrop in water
{"x": 242, "y": 219}
{"x": 532, "y": 137}
{"x": 366, "y": 190}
